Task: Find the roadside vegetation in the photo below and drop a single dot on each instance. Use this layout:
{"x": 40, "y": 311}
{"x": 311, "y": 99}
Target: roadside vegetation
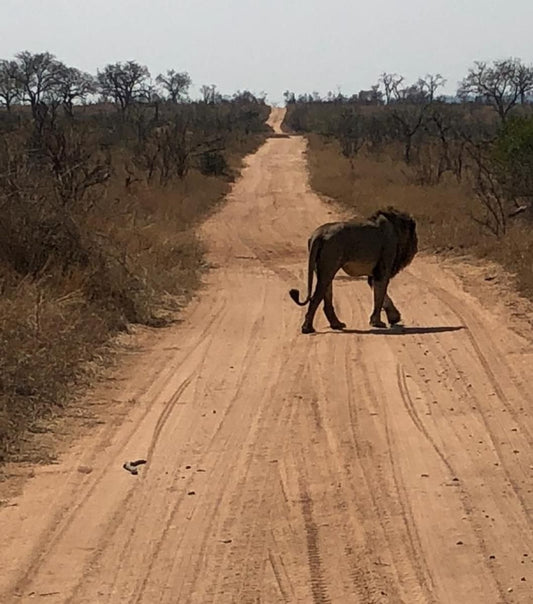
{"x": 462, "y": 165}
{"x": 102, "y": 180}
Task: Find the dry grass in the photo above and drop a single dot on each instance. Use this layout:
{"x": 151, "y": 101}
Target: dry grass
{"x": 144, "y": 262}
{"x": 47, "y": 335}
{"x": 443, "y": 212}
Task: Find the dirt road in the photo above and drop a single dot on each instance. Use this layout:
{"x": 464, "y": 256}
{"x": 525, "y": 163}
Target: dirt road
{"x": 355, "y": 467}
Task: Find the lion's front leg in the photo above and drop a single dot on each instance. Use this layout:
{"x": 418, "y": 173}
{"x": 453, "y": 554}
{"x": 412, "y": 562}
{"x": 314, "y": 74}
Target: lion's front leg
{"x": 379, "y": 288}
{"x": 393, "y": 314}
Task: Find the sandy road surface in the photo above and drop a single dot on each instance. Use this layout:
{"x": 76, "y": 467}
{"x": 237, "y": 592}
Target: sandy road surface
{"x": 338, "y": 467}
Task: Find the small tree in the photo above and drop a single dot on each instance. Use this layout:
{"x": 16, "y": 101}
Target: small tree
{"x": 409, "y": 120}
{"x": 488, "y": 190}
{"x": 175, "y": 84}
{"x": 74, "y": 85}
{"x": 409, "y": 112}
{"x": 350, "y": 133}
{"x": 430, "y": 84}
{"x": 512, "y": 159}
{"x": 9, "y": 85}
{"x": 124, "y": 83}
{"x": 76, "y": 162}
{"x": 245, "y": 97}
{"x": 524, "y": 80}
{"x": 391, "y": 83}
{"x": 210, "y": 95}
{"x": 374, "y": 96}
{"x": 289, "y": 97}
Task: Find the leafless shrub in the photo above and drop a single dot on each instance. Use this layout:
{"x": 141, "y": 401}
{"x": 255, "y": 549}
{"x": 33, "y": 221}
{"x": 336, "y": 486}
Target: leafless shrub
{"x": 77, "y": 163}
{"x": 84, "y": 252}
{"x": 491, "y": 195}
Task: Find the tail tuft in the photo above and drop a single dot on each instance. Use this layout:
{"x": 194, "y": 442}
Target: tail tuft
{"x": 295, "y": 295}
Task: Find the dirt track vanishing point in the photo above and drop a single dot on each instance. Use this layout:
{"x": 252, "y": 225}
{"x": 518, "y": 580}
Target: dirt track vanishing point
{"x": 353, "y": 467}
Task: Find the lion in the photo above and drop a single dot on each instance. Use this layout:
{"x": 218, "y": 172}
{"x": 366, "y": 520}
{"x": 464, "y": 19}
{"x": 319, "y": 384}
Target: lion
{"x": 378, "y": 249}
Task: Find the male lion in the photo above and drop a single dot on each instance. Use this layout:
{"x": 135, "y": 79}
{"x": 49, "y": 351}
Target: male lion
{"x": 378, "y": 248}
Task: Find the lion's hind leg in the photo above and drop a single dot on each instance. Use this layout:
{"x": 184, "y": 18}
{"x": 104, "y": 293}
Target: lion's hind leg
{"x": 324, "y": 279}
{"x": 329, "y": 310}
{"x": 316, "y": 298}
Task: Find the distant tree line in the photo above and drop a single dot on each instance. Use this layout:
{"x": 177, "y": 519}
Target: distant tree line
{"x": 502, "y": 85}
{"x": 41, "y": 80}
{"x": 484, "y": 134}
{"x": 63, "y": 147}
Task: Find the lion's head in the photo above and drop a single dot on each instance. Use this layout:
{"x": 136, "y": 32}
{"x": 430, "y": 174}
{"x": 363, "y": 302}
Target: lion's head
{"x": 405, "y": 227}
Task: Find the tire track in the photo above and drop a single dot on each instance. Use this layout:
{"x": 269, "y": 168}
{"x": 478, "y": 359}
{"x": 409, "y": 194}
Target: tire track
{"x": 162, "y": 383}
{"x": 316, "y": 573}
{"x": 413, "y": 543}
{"x": 467, "y": 319}
{"x": 121, "y": 514}
{"x": 245, "y": 371}
{"x": 465, "y": 498}
{"x": 143, "y": 581}
{"x": 480, "y": 333}
{"x": 343, "y": 453}
{"x": 270, "y": 443}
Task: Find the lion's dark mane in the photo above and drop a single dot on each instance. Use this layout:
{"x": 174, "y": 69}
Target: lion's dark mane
{"x": 405, "y": 227}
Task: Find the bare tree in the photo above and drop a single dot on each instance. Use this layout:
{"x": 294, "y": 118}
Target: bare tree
{"x": 350, "y": 133}
{"x": 430, "y": 84}
{"x": 391, "y": 83}
{"x": 37, "y": 76}
{"x": 524, "y": 80}
{"x": 501, "y": 85}
{"x": 409, "y": 120}
{"x": 73, "y": 85}
{"x": 76, "y": 162}
{"x": 9, "y": 86}
{"x": 150, "y": 95}
{"x": 410, "y": 110}
{"x": 210, "y": 94}
{"x": 413, "y": 94}
{"x": 124, "y": 83}
{"x": 176, "y": 84}
{"x": 439, "y": 126}
{"x": 488, "y": 191}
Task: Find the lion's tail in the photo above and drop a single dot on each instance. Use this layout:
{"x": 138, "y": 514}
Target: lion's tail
{"x": 295, "y": 295}
{"x": 314, "y": 250}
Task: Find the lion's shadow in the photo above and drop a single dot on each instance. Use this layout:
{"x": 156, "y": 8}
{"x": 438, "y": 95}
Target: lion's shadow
{"x": 401, "y": 330}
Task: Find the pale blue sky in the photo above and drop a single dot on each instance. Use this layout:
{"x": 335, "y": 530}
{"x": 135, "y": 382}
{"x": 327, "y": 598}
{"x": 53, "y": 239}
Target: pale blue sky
{"x": 274, "y": 45}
